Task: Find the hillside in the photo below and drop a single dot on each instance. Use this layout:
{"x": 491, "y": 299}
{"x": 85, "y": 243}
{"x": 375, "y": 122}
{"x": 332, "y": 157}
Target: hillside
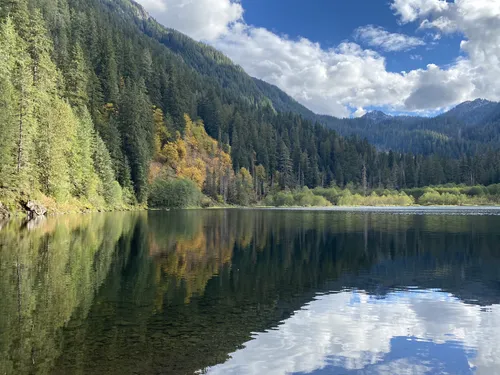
{"x": 466, "y": 129}
{"x": 98, "y": 98}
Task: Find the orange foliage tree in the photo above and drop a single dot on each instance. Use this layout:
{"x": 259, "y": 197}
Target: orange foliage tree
{"x": 195, "y": 156}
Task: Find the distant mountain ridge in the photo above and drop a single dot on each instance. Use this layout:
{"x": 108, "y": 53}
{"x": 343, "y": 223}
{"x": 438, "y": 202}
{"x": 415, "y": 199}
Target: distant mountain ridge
{"x": 376, "y": 116}
{"x": 473, "y": 112}
{"x": 467, "y": 128}
{"x": 469, "y": 112}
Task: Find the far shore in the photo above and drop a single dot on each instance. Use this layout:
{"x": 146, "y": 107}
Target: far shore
{"x": 395, "y": 209}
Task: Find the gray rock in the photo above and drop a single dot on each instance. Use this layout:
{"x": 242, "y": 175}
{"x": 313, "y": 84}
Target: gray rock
{"x": 35, "y": 210}
{"x": 4, "y": 213}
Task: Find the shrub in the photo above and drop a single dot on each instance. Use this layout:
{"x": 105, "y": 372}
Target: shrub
{"x": 283, "y": 198}
{"x": 494, "y": 189}
{"x": 331, "y": 194}
{"x": 392, "y": 198}
{"x": 346, "y": 199}
{"x": 435, "y": 198}
{"x": 177, "y": 193}
{"x": 318, "y": 201}
{"x": 477, "y": 191}
{"x": 301, "y": 198}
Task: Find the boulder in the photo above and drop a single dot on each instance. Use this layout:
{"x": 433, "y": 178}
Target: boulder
{"x": 4, "y": 213}
{"x": 35, "y": 210}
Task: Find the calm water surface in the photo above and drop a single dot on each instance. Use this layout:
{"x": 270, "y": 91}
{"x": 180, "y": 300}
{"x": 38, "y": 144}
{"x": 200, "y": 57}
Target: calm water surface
{"x": 251, "y": 292}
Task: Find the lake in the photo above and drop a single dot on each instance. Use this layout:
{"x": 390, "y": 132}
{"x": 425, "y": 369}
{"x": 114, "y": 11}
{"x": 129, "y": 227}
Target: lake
{"x": 252, "y": 292}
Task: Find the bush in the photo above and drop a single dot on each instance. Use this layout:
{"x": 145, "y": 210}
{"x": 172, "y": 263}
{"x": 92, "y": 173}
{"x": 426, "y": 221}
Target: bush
{"x": 299, "y": 198}
{"x": 445, "y": 199}
{"x": 346, "y": 198}
{"x": 331, "y": 194}
{"x": 318, "y": 201}
{"x": 283, "y": 198}
{"x": 477, "y": 191}
{"x": 178, "y": 193}
{"x": 416, "y": 193}
{"x": 390, "y": 198}
{"x": 494, "y": 189}
{"x": 303, "y": 197}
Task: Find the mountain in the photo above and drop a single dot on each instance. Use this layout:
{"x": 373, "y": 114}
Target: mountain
{"x": 473, "y": 112}
{"x": 376, "y": 117}
{"x": 421, "y": 135}
{"x": 466, "y": 129}
{"x": 103, "y": 106}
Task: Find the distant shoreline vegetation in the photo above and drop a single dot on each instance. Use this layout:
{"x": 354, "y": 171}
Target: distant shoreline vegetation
{"x": 446, "y": 195}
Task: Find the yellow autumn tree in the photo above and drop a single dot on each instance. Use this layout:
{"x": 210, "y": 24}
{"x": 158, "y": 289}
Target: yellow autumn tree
{"x": 195, "y": 156}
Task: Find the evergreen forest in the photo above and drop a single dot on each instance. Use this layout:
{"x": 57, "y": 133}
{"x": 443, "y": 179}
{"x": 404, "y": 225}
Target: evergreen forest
{"x": 103, "y": 108}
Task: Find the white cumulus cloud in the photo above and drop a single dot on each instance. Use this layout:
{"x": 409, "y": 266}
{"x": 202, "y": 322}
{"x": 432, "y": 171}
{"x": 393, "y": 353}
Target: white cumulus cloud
{"x": 331, "y": 81}
{"x": 479, "y": 23}
{"x": 200, "y": 19}
{"x": 380, "y": 38}
{"x": 411, "y": 10}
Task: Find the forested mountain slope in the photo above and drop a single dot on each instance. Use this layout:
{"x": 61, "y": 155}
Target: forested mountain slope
{"x": 98, "y": 102}
{"x": 466, "y": 129}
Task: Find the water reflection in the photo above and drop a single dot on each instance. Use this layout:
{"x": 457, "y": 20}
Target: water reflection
{"x": 50, "y": 272}
{"x": 240, "y": 291}
{"x": 408, "y": 331}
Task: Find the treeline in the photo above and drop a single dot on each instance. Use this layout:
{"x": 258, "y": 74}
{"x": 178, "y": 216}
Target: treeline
{"x": 101, "y": 106}
{"x": 48, "y": 140}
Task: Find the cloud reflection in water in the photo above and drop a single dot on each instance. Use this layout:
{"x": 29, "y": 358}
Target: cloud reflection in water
{"x": 352, "y": 332}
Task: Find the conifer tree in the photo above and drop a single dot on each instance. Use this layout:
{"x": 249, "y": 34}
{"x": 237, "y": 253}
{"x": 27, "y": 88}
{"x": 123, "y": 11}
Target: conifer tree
{"x": 136, "y": 120}
{"x": 8, "y": 99}
{"x": 77, "y": 79}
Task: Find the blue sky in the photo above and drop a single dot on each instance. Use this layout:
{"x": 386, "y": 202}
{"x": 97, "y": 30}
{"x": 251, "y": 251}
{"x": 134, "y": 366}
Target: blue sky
{"x": 331, "y": 22}
{"x": 344, "y": 58}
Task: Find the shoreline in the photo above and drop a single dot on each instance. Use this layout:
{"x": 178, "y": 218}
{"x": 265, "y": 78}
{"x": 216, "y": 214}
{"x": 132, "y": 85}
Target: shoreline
{"x": 415, "y": 209}
{"x": 389, "y": 208}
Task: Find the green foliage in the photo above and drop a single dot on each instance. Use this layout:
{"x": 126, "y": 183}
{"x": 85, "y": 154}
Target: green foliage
{"x": 476, "y": 195}
{"x": 244, "y": 194}
{"x": 8, "y": 98}
{"x": 176, "y": 193}
{"x": 435, "y": 198}
{"x": 280, "y": 199}
{"x": 389, "y": 198}
{"x": 331, "y": 194}
{"x": 451, "y": 194}
{"x": 115, "y": 196}
{"x": 298, "y": 198}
